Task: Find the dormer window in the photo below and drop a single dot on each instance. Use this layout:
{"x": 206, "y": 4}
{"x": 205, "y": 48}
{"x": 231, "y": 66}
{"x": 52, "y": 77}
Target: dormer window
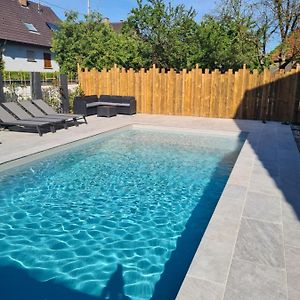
{"x": 30, "y": 27}
{"x": 52, "y": 26}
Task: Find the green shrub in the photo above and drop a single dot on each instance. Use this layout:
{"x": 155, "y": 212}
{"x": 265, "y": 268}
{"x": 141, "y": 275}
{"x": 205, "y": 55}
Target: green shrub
{"x": 72, "y": 94}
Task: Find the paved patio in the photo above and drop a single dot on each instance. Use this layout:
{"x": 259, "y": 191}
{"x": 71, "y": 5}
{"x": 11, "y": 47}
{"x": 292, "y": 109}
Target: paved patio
{"x": 251, "y": 248}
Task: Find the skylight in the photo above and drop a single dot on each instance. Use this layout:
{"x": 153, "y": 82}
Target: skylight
{"x": 52, "y": 26}
{"x": 30, "y": 27}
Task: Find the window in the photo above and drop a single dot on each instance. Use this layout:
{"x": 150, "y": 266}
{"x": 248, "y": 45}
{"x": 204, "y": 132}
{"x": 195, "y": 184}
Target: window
{"x": 47, "y": 61}
{"x": 52, "y": 26}
{"x": 30, "y": 56}
{"x": 30, "y": 27}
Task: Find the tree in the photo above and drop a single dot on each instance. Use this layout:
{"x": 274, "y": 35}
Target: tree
{"x": 228, "y": 39}
{"x": 1, "y": 57}
{"x": 1, "y": 63}
{"x": 287, "y": 17}
{"x": 165, "y": 34}
{"x": 90, "y": 42}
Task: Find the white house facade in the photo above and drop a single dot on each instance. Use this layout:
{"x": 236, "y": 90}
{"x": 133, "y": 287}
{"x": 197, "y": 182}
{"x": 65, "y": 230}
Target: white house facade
{"x": 26, "y": 30}
{"x": 28, "y": 58}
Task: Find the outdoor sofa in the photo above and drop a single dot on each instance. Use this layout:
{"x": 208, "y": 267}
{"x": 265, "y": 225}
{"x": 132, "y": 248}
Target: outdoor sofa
{"x": 88, "y": 105}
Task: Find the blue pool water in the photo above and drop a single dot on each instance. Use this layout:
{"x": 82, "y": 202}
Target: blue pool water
{"x": 116, "y": 218}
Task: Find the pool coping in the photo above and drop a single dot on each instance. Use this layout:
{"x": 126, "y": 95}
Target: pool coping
{"x": 225, "y": 266}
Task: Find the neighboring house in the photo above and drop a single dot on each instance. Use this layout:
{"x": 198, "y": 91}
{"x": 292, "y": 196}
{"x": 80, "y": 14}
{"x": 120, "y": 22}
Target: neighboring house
{"x": 117, "y": 26}
{"x": 291, "y": 50}
{"x": 26, "y": 30}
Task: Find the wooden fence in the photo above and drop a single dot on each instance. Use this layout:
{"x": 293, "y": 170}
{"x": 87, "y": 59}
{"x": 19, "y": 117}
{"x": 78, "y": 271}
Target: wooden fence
{"x": 242, "y": 94}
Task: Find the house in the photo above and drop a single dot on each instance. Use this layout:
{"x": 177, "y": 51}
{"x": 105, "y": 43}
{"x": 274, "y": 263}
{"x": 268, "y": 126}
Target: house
{"x": 26, "y": 30}
{"x": 291, "y": 50}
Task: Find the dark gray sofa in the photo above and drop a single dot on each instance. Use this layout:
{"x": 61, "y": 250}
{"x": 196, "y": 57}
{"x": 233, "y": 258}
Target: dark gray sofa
{"x": 125, "y": 105}
{"x": 87, "y": 105}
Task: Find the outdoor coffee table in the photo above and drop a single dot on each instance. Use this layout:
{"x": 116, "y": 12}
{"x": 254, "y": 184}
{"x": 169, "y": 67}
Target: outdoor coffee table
{"x": 106, "y": 111}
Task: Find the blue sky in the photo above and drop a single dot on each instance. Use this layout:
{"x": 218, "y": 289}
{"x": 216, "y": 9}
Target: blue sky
{"x": 118, "y": 9}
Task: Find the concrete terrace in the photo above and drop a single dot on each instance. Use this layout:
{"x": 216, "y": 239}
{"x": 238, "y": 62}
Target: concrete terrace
{"x": 251, "y": 248}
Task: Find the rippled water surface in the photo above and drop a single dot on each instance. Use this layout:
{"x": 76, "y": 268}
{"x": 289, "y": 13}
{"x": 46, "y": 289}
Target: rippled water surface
{"x": 120, "y": 216}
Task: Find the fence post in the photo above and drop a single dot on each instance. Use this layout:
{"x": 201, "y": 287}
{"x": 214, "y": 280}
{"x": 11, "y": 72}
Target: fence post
{"x": 1, "y": 89}
{"x": 36, "y": 85}
{"x": 64, "y": 93}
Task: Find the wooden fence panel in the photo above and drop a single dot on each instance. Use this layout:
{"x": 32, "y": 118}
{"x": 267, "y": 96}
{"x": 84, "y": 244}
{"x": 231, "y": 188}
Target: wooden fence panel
{"x": 241, "y": 94}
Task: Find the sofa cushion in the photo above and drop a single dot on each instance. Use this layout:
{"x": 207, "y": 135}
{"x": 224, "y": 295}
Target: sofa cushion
{"x": 93, "y": 104}
{"x": 116, "y": 99}
{"x": 115, "y": 104}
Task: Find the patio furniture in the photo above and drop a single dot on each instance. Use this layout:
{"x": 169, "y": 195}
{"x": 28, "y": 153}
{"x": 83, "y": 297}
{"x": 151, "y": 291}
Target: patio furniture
{"x": 87, "y": 105}
{"x": 8, "y": 120}
{"x": 124, "y": 104}
{"x": 21, "y": 114}
{"x": 106, "y": 111}
{"x": 47, "y": 109}
{"x": 37, "y": 113}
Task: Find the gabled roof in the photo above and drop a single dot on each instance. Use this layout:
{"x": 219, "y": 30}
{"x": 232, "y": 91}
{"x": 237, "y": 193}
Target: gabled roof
{"x": 12, "y": 19}
{"x": 117, "y": 26}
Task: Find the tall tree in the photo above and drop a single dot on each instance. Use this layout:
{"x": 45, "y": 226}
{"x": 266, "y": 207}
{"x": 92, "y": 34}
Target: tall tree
{"x": 287, "y": 16}
{"x": 237, "y": 36}
{"x": 167, "y": 33}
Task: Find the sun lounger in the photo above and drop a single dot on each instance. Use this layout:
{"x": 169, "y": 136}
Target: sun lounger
{"x": 7, "y": 120}
{"x": 21, "y": 114}
{"x": 37, "y": 113}
{"x": 51, "y": 112}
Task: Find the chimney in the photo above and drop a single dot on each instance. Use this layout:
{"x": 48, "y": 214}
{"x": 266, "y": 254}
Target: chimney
{"x": 23, "y": 2}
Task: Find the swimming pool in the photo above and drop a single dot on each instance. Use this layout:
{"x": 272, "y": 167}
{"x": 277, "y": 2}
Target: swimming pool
{"x": 119, "y": 216}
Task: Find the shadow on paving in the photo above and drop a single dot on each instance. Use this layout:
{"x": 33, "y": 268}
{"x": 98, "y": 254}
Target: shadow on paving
{"x": 277, "y": 156}
{"x": 17, "y": 284}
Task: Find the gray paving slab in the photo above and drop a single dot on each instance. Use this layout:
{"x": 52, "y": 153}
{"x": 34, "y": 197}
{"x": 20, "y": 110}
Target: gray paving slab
{"x": 261, "y": 243}
{"x": 263, "y": 207}
{"x": 201, "y": 289}
{"x": 250, "y": 281}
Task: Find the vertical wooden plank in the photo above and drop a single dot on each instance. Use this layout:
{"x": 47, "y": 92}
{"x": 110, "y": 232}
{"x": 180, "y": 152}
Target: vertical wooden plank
{"x": 155, "y": 90}
{"x": 296, "y": 113}
{"x": 138, "y": 89}
{"x": 240, "y": 92}
{"x": 130, "y": 83}
{"x": 216, "y": 91}
{"x": 249, "y": 111}
{"x": 198, "y": 91}
{"x": 188, "y": 94}
{"x": 246, "y": 94}
{"x": 265, "y": 95}
{"x": 276, "y": 94}
{"x": 178, "y": 97}
{"x": 234, "y": 107}
{"x": 211, "y": 91}
{"x": 184, "y": 100}
{"x": 206, "y": 82}
{"x": 221, "y": 96}
{"x": 229, "y": 93}
{"x": 163, "y": 89}
{"x": 143, "y": 91}
{"x": 294, "y": 81}
{"x": 149, "y": 78}
{"x": 171, "y": 92}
